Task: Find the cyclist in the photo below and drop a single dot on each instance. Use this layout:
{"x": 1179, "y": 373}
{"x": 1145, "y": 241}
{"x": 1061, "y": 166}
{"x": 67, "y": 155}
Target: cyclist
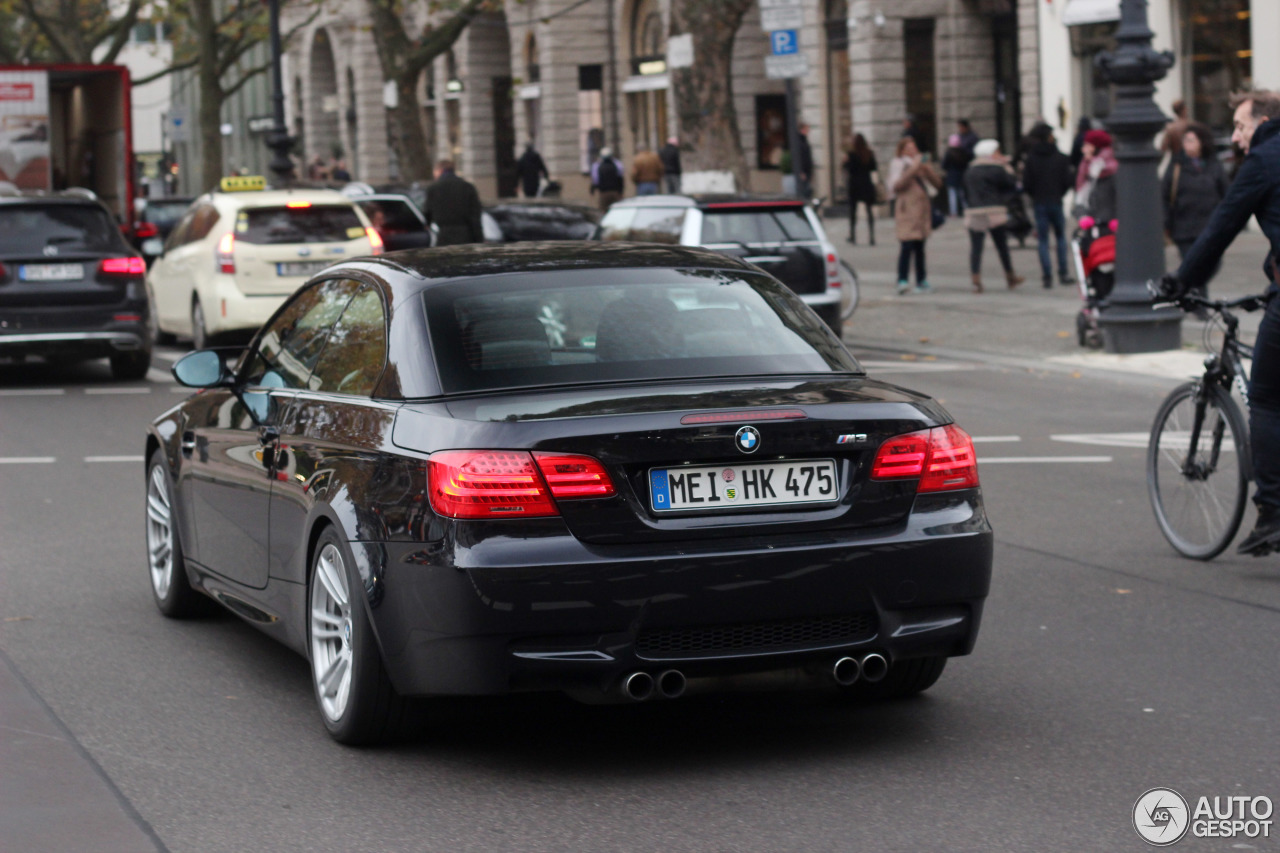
{"x": 1254, "y": 192}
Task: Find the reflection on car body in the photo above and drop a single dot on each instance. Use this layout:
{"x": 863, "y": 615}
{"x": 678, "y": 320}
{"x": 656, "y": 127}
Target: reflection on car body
{"x": 416, "y": 482}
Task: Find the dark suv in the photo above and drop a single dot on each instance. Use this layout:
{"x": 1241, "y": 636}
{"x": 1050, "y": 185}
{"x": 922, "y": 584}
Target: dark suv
{"x": 71, "y": 287}
{"x": 782, "y": 236}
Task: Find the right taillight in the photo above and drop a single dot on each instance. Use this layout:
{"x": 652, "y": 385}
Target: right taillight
{"x": 511, "y": 483}
{"x": 941, "y": 457}
{"x": 226, "y": 254}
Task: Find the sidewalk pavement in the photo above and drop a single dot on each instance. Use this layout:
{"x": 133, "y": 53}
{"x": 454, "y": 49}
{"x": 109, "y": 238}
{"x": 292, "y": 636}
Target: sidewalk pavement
{"x": 1028, "y": 326}
{"x": 53, "y": 796}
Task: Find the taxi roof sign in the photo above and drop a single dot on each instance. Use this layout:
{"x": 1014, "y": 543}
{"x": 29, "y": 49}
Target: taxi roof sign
{"x": 243, "y": 183}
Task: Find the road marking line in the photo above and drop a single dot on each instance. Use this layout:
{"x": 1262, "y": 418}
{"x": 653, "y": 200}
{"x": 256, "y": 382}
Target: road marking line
{"x": 115, "y": 459}
{"x": 992, "y": 439}
{"x": 127, "y": 389}
{"x": 875, "y": 366}
{"x": 1112, "y": 439}
{"x": 993, "y": 460}
{"x": 27, "y": 460}
{"x": 32, "y": 392}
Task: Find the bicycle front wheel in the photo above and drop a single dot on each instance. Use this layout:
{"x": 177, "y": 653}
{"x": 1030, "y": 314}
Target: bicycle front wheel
{"x": 1199, "y": 496}
{"x": 849, "y": 294}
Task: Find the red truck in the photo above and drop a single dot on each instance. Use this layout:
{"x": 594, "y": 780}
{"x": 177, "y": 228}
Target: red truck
{"x": 64, "y": 126}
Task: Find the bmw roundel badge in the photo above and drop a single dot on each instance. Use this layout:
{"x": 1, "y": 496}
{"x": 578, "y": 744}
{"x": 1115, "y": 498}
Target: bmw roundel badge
{"x": 747, "y": 438}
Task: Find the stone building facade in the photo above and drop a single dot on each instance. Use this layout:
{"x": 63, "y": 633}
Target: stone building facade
{"x": 573, "y": 75}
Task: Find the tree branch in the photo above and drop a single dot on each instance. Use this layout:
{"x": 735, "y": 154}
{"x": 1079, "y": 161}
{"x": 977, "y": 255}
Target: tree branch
{"x": 177, "y": 66}
{"x": 64, "y": 50}
{"x": 118, "y": 31}
{"x": 441, "y": 39}
{"x": 248, "y": 75}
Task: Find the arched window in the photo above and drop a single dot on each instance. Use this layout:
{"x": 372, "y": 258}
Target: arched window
{"x": 648, "y": 42}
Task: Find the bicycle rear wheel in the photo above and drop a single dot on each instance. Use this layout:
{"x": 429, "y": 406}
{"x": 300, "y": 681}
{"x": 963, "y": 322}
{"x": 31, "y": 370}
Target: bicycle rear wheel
{"x": 849, "y": 294}
{"x": 1198, "y": 500}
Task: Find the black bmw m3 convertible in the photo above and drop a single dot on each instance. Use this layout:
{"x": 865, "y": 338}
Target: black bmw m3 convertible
{"x": 615, "y": 470}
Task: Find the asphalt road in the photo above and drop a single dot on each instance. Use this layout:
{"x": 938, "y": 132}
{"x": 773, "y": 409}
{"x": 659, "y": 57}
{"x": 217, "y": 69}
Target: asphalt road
{"x": 1107, "y": 665}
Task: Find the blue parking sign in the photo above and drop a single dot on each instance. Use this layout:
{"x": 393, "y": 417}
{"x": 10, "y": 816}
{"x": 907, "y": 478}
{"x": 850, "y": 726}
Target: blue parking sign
{"x": 784, "y": 42}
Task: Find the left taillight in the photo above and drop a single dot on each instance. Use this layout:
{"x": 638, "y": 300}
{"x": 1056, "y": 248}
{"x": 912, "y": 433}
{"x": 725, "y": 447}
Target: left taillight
{"x": 942, "y": 458}
{"x": 833, "y": 270}
{"x": 226, "y": 253}
{"x": 375, "y": 241}
{"x": 510, "y": 483}
{"x": 122, "y": 266}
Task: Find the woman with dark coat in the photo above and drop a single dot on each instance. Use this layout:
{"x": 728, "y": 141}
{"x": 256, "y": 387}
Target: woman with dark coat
{"x": 989, "y": 184}
{"x": 1193, "y": 184}
{"x": 859, "y": 168}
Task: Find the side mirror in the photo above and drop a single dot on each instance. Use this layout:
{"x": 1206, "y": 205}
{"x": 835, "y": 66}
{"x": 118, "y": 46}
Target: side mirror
{"x": 204, "y": 368}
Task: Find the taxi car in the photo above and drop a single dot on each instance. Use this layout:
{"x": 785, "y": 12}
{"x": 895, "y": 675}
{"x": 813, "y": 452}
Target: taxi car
{"x": 238, "y": 252}
{"x": 427, "y": 483}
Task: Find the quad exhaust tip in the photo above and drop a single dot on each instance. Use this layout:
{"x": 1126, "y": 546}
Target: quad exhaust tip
{"x": 846, "y": 671}
{"x": 671, "y": 684}
{"x": 874, "y": 667}
{"x": 638, "y": 686}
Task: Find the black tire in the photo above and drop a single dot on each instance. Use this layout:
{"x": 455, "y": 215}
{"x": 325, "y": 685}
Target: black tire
{"x": 170, "y": 586}
{"x": 905, "y": 679}
{"x": 1198, "y": 514}
{"x": 199, "y": 334}
{"x": 851, "y": 293}
{"x": 131, "y": 365}
{"x": 357, "y": 702}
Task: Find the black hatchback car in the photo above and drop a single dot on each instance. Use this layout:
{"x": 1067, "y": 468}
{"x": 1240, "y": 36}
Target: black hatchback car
{"x": 71, "y": 287}
{"x": 613, "y": 470}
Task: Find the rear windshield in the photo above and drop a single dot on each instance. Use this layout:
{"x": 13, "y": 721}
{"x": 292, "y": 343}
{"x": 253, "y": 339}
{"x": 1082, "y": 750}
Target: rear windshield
{"x": 587, "y": 326}
{"x": 163, "y": 214}
{"x": 49, "y": 229}
{"x": 756, "y": 226}
{"x": 327, "y": 223}
{"x": 392, "y": 217}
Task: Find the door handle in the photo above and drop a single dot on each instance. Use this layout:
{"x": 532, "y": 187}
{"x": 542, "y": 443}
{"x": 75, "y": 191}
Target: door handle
{"x": 188, "y": 442}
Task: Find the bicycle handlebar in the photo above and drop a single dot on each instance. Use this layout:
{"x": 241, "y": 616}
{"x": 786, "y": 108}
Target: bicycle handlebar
{"x": 1190, "y": 301}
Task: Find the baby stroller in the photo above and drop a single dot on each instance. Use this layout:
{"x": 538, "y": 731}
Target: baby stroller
{"x": 1094, "y": 248}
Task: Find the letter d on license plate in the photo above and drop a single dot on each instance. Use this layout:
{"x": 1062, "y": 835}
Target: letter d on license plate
{"x": 716, "y": 487}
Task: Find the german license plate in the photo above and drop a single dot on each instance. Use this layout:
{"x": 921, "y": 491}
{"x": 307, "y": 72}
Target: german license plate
{"x": 708, "y": 487}
{"x": 50, "y": 272}
{"x": 301, "y": 268}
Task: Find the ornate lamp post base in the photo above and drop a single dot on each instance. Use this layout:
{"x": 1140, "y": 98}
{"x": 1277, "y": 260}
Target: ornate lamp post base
{"x": 1129, "y": 322}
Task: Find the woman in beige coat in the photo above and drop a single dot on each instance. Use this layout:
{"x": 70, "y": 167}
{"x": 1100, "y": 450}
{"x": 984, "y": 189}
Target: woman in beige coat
{"x": 910, "y": 177}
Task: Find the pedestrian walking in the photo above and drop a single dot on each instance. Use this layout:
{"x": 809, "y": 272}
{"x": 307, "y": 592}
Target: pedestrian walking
{"x": 340, "y": 173}
{"x": 646, "y": 171}
{"x": 453, "y": 205}
{"x": 669, "y": 154}
{"x": 989, "y": 184}
{"x": 910, "y": 177}
{"x": 607, "y": 178}
{"x": 859, "y": 176}
{"x": 954, "y": 161}
{"x": 1077, "y": 143}
{"x": 1046, "y": 178}
{"x": 1096, "y": 178}
{"x": 1174, "y": 131}
{"x": 531, "y": 169}
{"x": 803, "y": 163}
{"x": 1193, "y": 185}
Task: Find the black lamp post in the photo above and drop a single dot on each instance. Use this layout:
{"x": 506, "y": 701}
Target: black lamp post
{"x": 1129, "y": 323}
{"x": 278, "y": 140}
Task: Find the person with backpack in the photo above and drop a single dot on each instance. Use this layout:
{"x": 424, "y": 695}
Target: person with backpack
{"x": 607, "y": 178}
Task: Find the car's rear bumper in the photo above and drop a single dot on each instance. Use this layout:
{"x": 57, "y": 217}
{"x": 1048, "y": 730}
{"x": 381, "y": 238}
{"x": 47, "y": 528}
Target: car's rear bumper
{"x": 560, "y": 615}
{"x": 91, "y": 331}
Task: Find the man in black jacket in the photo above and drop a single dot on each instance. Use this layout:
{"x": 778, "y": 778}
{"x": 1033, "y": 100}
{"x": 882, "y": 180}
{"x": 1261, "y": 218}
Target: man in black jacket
{"x": 454, "y": 206}
{"x": 670, "y": 156}
{"x": 1046, "y": 177}
{"x": 1254, "y": 192}
{"x": 532, "y": 169}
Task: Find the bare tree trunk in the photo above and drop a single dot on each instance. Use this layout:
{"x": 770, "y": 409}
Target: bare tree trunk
{"x": 709, "y": 136}
{"x": 408, "y": 138}
{"x": 209, "y": 114}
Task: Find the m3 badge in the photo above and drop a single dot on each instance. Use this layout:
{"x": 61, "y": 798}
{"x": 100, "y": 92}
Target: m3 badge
{"x": 852, "y": 438}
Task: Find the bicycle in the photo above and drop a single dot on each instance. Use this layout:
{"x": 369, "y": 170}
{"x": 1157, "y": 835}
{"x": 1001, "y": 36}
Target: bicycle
{"x": 1198, "y": 463}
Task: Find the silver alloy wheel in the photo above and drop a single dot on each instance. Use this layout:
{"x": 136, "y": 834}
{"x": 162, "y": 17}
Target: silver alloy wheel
{"x": 159, "y": 532}
{"x": 331, "y": 652}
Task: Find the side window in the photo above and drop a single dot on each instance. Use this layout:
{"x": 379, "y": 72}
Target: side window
{"x": 357, "y": 349}
{"x": 657, "y": 225}
{"x": 206, "y": 217}
{"x": 178, "y": 235}
{"x": 291, "y": 345}
{"x": 616, "y": 224}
